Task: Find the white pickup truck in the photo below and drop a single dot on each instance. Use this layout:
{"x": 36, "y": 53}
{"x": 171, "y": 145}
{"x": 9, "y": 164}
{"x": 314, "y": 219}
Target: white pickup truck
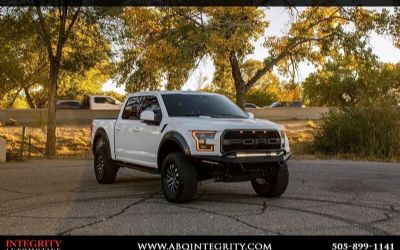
{"x": 188, "y": 137}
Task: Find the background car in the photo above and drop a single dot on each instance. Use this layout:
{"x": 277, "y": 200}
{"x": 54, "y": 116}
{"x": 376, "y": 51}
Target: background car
{"x": 68, "y": 104}
{"x": 100, "y": 103}
{"x": 293, "y": 104}
{"x": 251, "y": 106}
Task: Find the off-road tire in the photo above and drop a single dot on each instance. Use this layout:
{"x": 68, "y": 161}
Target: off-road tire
{"x": 275, "y": 185}
{"x": 176, "y": 167}
{"x": 105, "y": 168}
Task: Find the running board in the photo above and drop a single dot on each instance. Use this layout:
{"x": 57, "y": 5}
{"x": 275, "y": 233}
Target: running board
{"x": 149, "y": 170}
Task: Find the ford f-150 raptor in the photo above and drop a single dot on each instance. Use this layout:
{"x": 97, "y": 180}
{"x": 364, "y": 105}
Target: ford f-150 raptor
{"x": 188, "y": 137}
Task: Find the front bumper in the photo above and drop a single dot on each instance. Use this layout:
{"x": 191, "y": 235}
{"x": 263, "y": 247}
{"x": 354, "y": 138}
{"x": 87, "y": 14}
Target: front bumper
{"x": 246, "y": 157}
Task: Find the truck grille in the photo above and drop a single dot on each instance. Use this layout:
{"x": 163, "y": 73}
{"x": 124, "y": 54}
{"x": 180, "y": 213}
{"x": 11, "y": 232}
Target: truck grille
{"x": 250, "y": 140}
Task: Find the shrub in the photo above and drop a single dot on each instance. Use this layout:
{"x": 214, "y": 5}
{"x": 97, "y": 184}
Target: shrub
{"x": 40, "y": 122}
{"x": 10, "y": 122}
{"x": 311, "y": 124}
{"x": 368, "y": 131}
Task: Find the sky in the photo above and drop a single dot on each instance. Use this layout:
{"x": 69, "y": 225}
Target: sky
{"x": 279, "y": 23}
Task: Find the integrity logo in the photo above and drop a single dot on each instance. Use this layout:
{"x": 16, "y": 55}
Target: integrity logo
{"x": 33, "y": 244}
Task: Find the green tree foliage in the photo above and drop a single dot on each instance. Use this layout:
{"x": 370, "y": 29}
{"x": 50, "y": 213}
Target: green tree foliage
{"x": 23, "y": 61}
{"x": 75, "y": 86}
{"x": 348, "y": 81}
{"x": 392, "y": 26}
{"x": 161, "y": 48}
{"x": 67, "y": 46}
{"x": 24, "y": 67}
{"x": 58, "y": 28}
{"x": 266, "y": 92}
{"x": 165, "y": 44}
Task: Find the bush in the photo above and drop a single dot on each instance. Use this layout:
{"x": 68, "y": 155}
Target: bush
{"x": 367, "y": 131}
{"x": 260, "y": 97}
{"x": 10, "y": 122}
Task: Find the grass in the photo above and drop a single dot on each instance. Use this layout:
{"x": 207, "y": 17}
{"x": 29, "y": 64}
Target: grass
{"x": 301, "y": 137}
{"x": 73, "y": 141}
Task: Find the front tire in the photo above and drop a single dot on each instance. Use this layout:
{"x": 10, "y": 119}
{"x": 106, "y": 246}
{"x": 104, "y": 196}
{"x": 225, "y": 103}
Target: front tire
{"x": 273, "y": 185}
{"x": 105, "y": 169}
{"x": 178, "y": 178}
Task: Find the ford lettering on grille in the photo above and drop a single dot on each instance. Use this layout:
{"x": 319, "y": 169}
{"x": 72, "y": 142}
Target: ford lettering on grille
{"x": 251, "y": 141}
{"x": 247, "y": 140}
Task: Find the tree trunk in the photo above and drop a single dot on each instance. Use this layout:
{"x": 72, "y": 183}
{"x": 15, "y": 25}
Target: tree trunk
{"x": 11, "y": 103}
{"x": 241, "y": 96}
{"x": 29, "y": 98}
{"x": 51, "y": 113}
{"x": 240, "y": 85}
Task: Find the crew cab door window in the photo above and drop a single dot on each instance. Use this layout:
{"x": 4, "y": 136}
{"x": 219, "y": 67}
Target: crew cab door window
{"x": 131, "y": 109}
{"x": 150, "y": 103}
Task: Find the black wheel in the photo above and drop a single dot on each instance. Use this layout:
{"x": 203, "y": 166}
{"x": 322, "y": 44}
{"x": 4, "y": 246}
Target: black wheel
{"x": 273, "y": 185}
{"x": 178, "y": 178}
{"x": 104, "y": 167}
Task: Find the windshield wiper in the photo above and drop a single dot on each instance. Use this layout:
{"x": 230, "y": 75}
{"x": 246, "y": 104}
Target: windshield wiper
{"x": 191, "y": 115}
{"x": 226, "y": 115}
{"x": 214, "y": 115}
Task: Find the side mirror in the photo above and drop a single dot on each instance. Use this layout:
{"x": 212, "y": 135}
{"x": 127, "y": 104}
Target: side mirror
{"x": 148, "y": 116}
{"x": 251, "y": 115}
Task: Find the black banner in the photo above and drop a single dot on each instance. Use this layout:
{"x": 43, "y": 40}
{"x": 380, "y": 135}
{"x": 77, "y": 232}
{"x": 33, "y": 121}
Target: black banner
{"x": 200, "y": 242}
{"x": 200, "y": 2}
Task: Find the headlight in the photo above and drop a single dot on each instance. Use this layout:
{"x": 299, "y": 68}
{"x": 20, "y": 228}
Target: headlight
{"x": 282, "y": 135}
{"x": 201, "y": 138}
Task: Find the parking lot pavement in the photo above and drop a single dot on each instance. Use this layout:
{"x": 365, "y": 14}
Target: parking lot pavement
{"x": 323, "y": 197}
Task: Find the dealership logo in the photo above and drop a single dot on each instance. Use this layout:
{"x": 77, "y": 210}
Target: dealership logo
{"x": 18, "y": 244}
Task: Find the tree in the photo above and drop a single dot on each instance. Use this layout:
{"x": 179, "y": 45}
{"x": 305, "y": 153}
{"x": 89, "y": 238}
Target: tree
{"x": 160, "y": 49}
{"x": 75, "y": 86}
{"x": 58, "y": 28}
{"x": 170, "y": 40}
{"x": 52, "y": 41}
{"x": 316, "y": 33}
{"x": 22, "y": 58}
{"x": 266, "y": 92}
{"x": 351, "y": 81}
{"x": 392, "y": 26}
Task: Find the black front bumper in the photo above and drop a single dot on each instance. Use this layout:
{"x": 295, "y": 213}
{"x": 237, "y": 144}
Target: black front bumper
{"x": 243, "y": 167}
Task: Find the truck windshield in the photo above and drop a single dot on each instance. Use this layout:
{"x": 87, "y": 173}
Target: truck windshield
{"x": 215, "y": 106}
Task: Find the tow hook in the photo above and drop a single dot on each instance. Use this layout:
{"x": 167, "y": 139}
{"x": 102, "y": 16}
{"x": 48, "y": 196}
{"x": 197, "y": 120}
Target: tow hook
{"x": 287, "y": 157}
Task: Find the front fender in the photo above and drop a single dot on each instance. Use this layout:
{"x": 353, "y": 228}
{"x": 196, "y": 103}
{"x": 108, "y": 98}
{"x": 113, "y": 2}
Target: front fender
{"x": 178, "y": 138}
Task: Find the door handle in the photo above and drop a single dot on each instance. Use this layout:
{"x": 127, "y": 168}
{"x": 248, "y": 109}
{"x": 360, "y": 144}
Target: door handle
{"x": 118, "y": 128}
{"x": 135, "y": 129}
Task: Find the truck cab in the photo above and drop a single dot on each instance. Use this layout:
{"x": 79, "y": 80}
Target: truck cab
{"x": 98, "y": 102}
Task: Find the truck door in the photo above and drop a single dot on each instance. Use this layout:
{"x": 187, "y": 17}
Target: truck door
{"x": 126, "y": 132}
{"x": 149, "y": 133}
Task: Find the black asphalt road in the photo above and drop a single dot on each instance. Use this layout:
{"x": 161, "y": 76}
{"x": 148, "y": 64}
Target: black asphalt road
{"x": 323, "y": 197}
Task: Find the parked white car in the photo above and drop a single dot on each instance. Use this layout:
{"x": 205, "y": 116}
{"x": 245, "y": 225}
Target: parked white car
{"x": 98, "y": 102}
{"x": 191, "y": 136}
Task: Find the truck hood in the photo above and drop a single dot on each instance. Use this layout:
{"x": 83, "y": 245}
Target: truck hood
{"x": 220, "y": 124}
